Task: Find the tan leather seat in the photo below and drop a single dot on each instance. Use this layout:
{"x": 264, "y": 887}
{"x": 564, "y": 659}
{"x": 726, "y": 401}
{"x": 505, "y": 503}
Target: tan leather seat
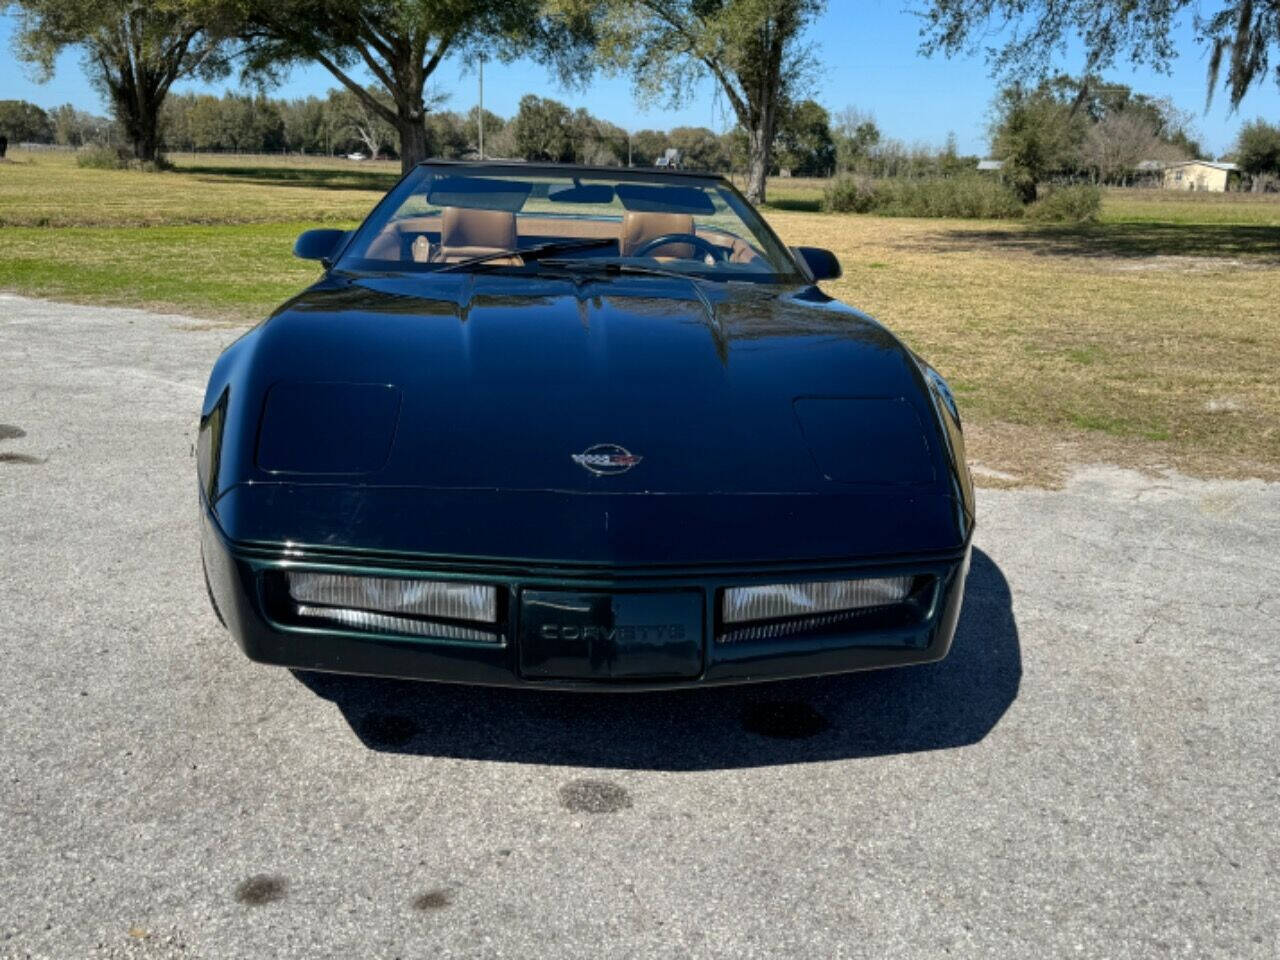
{"x": 639, "y": 228}
{"x": 475, "y": 233}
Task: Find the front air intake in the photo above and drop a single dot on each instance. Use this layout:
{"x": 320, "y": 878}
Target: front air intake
{"x": 398, "y": 606}
{"x": 775, "y": 610}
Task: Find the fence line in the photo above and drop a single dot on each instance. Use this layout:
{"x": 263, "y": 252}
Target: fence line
{"x": 246, "y": 154}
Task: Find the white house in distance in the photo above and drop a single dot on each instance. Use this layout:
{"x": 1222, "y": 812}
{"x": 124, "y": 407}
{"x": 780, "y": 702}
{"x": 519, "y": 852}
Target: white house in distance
{"x": 1209, "y": 175}
{"x": 1212, "y": 175}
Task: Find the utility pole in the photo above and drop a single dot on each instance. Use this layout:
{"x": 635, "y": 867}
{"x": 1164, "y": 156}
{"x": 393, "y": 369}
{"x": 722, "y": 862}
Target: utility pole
{"x": 480, "y": 114}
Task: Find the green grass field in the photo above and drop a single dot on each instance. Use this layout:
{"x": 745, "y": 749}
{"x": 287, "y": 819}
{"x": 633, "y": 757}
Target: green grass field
{"x": 1150, "y": 338}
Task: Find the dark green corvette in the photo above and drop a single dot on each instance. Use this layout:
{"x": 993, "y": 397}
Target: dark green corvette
{"x": 558, "y": 426}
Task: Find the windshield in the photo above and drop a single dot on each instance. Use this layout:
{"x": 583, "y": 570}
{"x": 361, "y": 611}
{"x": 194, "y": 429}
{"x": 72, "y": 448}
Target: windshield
{"x": 496, "y": 218}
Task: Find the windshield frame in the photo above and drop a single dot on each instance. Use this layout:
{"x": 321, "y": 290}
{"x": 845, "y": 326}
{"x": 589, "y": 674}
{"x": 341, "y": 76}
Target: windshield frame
{"x": 759, "y": 231}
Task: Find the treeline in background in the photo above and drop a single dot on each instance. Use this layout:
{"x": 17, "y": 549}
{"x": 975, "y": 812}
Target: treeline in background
{"x": 1109, "y": 135}
{"x": 809, "y": 142}
{"x": 1058, "y": 141}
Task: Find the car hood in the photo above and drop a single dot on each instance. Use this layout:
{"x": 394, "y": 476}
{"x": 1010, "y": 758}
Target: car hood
{"x": 655, "y": 385}
{"x": 732, "y": 405}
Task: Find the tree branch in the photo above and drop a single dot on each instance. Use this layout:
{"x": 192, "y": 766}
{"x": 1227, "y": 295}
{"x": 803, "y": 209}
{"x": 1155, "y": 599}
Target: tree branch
{"x": 441, "y": 49}
{"x": 365, "y": 97}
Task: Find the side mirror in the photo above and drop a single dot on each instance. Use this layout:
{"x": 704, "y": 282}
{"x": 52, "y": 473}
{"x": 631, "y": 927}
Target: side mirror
{"x": 821, "y": 264}
{"x": 319, "y": 245}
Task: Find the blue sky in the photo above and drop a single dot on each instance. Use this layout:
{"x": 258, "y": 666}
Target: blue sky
{"x": 868, "y": 55}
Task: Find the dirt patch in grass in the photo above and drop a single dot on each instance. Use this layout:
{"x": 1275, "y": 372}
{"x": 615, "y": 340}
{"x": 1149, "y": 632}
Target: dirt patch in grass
{"x": 1188, "y": 264}
{"x": 206, "y": 327}
{"x": 1008, "y": 455}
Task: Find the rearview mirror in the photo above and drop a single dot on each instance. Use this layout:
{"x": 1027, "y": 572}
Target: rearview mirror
{"x": 821, "y": 264}
{"x": 319, "y": 245}
{"x": 597, "y": 193}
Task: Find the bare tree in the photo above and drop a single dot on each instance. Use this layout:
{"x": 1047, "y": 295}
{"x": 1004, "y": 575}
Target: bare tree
{"x": 1115, "y": 146}
{"x": 358, "y": 120}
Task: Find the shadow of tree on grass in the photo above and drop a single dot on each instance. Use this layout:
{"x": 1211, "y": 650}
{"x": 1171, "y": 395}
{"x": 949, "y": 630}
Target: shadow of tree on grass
{"x": 795, "y": 204}
{"x": 1115, "y": 240}
{"x": 318, "y": 178}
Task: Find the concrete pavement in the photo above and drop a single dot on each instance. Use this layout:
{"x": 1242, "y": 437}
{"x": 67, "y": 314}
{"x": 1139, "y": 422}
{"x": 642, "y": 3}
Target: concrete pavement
{"x": 1093, "y": 772}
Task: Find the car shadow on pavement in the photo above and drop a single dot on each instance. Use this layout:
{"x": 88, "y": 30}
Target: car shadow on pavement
{"x": 952, "y": 703}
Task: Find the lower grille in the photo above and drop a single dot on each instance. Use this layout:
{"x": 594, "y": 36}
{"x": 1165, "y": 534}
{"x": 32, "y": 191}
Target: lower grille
{"x": 367, "y": 621}
{"x": 904, "y": 601}
{"x": 785, "y": 628}
{"x": 408, "y": 607}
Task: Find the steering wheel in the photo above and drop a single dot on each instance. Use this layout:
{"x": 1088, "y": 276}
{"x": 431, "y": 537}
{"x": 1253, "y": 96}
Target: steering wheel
{"x": 706, "y": 247}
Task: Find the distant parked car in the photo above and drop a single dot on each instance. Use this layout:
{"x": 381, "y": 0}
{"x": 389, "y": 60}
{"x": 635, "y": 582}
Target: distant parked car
{"x": 579, "y": 427}
{"x": 356, "y": 156}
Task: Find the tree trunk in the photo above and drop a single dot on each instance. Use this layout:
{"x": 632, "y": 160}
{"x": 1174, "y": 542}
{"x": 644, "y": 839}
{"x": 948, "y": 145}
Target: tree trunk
{"x": 144, "y": 134}
{"x": 369, "y": 137}
{"x": 140, "y": 117}
{"x": 412, "y": 127}
{"x": 759, "y": 151}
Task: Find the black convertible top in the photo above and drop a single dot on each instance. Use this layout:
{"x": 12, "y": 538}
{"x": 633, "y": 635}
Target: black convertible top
{"x": 620, "y": 173}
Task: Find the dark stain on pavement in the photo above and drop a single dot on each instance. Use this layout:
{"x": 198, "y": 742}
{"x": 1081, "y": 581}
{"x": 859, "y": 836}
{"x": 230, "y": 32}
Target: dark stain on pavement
{"x": 594, "y": 796}
{"x": 24, "y": 458}
{"x": 783, "y": 720}
{"x": 261, "y": 889}
{"x": 387, "y": 729}
{"x": 433, "y": 900}
{"x": 9, "y": 432}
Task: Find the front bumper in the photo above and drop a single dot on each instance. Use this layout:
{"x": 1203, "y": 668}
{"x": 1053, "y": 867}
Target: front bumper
{"x": 241, "y": 576}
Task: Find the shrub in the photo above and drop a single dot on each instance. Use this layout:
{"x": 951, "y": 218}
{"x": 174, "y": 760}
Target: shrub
{"x": 101, "y": 158}
{"x": 966, "y": 197}
{"x": 848, "y": 195}
{"x": 1075, "y": 204}
{"x": 117, "y": 158}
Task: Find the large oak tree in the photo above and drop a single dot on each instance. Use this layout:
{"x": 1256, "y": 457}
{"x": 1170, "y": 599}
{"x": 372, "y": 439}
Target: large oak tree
{"x": 1239, "y": 34}
{"x": 133, "y": 52}
{"x": 401, "y": 43}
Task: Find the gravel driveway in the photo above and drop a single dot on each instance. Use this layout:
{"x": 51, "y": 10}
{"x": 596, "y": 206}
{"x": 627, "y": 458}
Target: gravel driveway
{"x": 1093, "y": 772}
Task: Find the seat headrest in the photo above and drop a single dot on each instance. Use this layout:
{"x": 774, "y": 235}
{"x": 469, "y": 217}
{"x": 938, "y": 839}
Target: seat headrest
{"x": 639, "y": 228}
{"x": 464, "y": 227}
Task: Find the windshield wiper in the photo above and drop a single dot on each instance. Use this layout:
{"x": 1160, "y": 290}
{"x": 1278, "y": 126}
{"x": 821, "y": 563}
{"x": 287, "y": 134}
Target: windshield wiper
{"x": 613, "y": 266}
{"x": 533, "y": 253}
